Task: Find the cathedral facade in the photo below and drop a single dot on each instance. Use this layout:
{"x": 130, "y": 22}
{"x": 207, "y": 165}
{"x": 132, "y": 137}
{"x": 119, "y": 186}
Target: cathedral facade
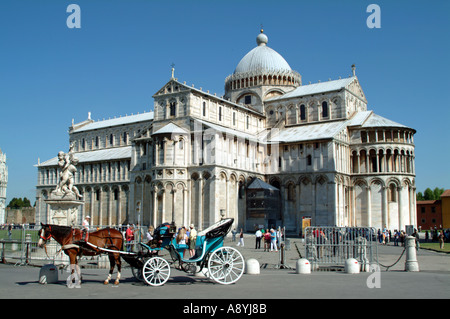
{"x": 310, "y": 152}
{"x": 3, "y": 186}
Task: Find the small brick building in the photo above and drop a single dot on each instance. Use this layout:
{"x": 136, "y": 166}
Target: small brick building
{"x": 429, "y": 214}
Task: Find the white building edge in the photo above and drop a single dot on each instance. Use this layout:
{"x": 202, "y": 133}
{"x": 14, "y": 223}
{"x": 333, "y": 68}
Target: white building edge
{"x": 192, "y": 159}
{"x": 3, "y": 187}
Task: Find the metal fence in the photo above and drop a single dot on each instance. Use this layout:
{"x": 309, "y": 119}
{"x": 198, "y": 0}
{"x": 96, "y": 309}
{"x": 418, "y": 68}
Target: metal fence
{"x": 20, "y": 247}
{"x": 327, "y": 248}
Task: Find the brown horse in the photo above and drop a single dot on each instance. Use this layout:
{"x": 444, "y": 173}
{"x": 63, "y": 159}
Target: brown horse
{"x": 74, "y": 244}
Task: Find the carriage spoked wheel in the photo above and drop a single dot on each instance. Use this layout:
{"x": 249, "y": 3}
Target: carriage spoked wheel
{"x": 137, "y": 273}
{"x": 156, "y": 271}
{"x": 226, "y": 265}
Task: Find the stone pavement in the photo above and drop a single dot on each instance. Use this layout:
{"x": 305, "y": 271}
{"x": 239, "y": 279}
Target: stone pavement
{"x": 431, "y": 282}
{"x": 387, "y": 255}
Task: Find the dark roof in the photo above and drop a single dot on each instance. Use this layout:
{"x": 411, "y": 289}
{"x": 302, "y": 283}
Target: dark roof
{"x": 259, "y": 184}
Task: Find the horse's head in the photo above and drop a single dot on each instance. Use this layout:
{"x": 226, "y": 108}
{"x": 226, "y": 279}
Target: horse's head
{"x": 45, "y": 233}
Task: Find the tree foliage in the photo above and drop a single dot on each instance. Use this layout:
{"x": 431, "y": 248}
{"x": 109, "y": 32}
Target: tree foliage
{"x": 19, "y": 203}
{"x": 430, "y": 194}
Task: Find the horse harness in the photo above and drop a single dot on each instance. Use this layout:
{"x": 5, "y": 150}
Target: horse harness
{"x": 84, "y": 241}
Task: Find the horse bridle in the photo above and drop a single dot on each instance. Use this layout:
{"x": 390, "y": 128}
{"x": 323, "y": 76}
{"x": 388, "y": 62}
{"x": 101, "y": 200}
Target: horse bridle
{"x": 49, "y": 235}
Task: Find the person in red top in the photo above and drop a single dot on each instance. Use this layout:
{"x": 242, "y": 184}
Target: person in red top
{"x": 267, "y": 240}
{"x": 129, "y": 236}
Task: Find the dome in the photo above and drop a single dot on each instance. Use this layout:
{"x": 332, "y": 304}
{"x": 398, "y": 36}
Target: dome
{"x": 262, "y": 58}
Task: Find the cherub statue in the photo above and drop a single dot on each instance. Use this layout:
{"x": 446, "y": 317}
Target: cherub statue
{"x": 67, "y": 163}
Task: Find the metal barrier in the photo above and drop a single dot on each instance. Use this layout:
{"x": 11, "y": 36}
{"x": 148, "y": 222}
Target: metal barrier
{"x": 327, "y": 248}
{"x": 21, "y": 248}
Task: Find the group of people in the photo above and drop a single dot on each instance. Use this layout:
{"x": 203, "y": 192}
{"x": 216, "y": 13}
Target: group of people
{"x": 184, "y": 237}
{"x": 270, "y": 237}
{"x": 385, "y": 236}
{"x": 440, "y": 236}
{"x": 187, "y": 237}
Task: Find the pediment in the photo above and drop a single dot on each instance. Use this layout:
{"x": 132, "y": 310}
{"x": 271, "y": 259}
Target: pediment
{"x": 355, "y": 88}
{"x": 173, "y": 86}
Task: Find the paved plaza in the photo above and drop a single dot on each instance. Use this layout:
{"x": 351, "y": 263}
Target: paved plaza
{"x": 432, "y": 281}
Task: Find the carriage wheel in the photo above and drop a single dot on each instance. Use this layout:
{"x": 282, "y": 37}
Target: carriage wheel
{"x": 137, "y": 273}
{"x": 156, "y": 271}
{"x": 226, "y": 265}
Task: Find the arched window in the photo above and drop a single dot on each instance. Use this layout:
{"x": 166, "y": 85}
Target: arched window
{"x": 302, "y": 112}
{"x": 392, "y": 193}
{"x": 111, "y": 139}
{"x": 172, "y": 108}
{"x": 204, "y": 108}
{"x": 181, "y": 144}
{"x": 309, "y": 160}
{"x": 291, "y": 192}
{"x": 324, "y": 109}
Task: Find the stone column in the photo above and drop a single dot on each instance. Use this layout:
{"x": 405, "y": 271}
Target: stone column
{"x": 369, "y": 208}
{"x": 401, "y": 225}
{"x": 411, "y": 263}
{"x": 384, "y": 213}
{"x": 200, "y": 203}
{"x": 155, "y": 205}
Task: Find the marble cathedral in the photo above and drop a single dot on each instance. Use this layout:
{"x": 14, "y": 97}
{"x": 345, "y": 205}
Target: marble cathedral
{"x": 3, "y": 186}
{"x": 270, "y": 151}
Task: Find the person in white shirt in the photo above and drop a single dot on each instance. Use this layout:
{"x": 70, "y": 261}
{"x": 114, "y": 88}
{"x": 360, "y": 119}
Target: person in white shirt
{"x": 258, "y": 235}
{"x": 85, "y": 227}
{"x": 85, "y": 224}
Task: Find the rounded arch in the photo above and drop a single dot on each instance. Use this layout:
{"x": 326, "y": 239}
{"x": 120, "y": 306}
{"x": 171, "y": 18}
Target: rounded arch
{"x": 289, "y": 181}
{"x": 223, "y": 175}
{"x": 273, "y": 92}
{"x": 275, "y": 180}
{"x": 168, "y": 185}
{"x": 376, "y": 180}
{"x": 305, "y": 180}
{"x": 195, "y": 176}
{"x": 321, "y": 179}
{"x": 393, "y": 180}
{"x": 206, "y": 175}
{"x": 360, "y": 182}
{"x": 180, "y": 186}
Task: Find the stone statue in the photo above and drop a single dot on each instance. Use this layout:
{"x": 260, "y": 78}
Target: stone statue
{"x": 67, "y": 163}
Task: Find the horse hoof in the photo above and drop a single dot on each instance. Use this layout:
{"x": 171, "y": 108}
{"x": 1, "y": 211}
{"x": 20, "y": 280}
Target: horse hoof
{"x": 116, "y": 283}
{"x": 106, "y": 282}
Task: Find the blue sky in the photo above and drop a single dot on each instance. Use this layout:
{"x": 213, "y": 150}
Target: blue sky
{"x": 121, "y": 55}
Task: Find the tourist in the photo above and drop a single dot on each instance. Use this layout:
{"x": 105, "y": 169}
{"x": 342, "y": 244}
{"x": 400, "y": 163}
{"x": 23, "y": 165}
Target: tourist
{"x": 258, "y": 235}
{"x": 182, "y": 240}
{"x": 415, "y": 234}
{"x": 234, "y": 232}
{"x": 192, "y": 240}
{"x": 149, "y": 233}
{"x": 441, "y": 240}
{"x": 267, "y": 240}
{"x": 129, "y": 237}
{"x": 273, "y": 240}
{"x": 241, "y": 238}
